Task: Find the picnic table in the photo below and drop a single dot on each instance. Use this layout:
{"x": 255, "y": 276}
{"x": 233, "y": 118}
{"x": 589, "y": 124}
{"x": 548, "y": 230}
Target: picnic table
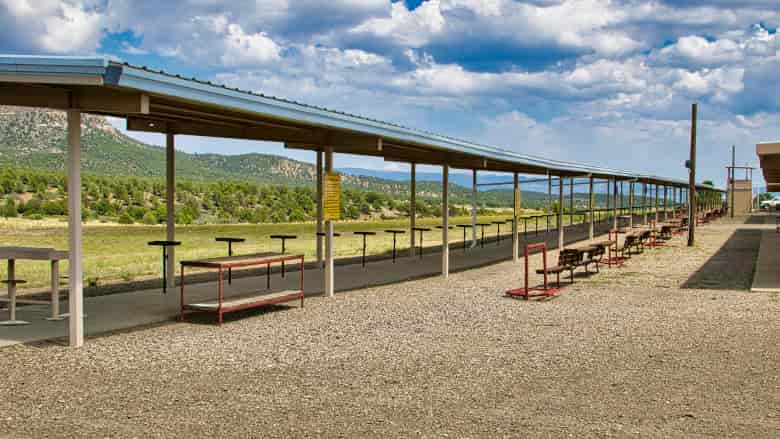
{"x": 12, "y": 254}
{"x": 222, "y": 305}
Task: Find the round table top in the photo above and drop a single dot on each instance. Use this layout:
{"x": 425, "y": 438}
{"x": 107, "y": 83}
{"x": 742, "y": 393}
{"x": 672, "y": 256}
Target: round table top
{"x": 284, "y": 236}
{"x": 483, "y": 224}
{"x": 441, "y": 227}
{"x": 501, "y": 222}
{"x": 164, "y": 243}
{"x": 463, "y": 225}
{"x": 325, "y": 234}
{"x": 228, "y": 239}
{"x": 421, "y": 229}
{"x": 395, "y": 231}
{"x": 364, "y": 233}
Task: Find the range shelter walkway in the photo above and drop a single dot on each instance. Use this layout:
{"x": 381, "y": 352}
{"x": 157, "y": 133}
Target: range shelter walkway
{"x": 138, "y": 308}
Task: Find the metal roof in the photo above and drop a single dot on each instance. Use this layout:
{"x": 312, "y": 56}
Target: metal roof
{"x": 157, "y": 101}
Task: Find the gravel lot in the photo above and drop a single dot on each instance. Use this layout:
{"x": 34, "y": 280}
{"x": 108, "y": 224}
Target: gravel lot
{"x": 627, "y": 353}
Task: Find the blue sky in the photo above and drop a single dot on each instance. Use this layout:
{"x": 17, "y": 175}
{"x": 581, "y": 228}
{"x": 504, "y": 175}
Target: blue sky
{"x": 596, "y": 81}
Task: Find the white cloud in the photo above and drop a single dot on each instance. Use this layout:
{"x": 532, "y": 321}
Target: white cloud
{"x": 51, "y": 26}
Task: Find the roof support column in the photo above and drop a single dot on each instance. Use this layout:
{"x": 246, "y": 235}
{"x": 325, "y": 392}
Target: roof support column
{"x": 656, "y": 203}
{"x": 445, "y": 221}
{"x": 412, "y": 207}
{"x": 515, "y": 215}
{"x": 666, "y": 202}
{"x": 571, "y": 202}
{"x": 170, "y": 207}
{"x": 320, "y": 206}
{"x": 614, "y": 203}
{"x": 560, "y": 213}
{"x": 591, "y": 207}
{"x": 76, "y": 293}
{"x": 644, "y": 203}
{"x": 631, "y": 204}
{"x": 329, "y": 282}
{"x": 692, "y": 212}
{"x": 474, "y": 208}
{"x": 549, "y": 199}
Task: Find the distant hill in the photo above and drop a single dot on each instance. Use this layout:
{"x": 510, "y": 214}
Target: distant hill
{"x": 35, "y": 139}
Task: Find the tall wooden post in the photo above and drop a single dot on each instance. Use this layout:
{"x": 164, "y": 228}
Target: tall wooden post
{"x": 473, "y": 208}
{"x": 445, "y": 221}
{"x": 412, "y": 208}
{"x": 76, "y": 293}
{"x": 170, "y": 207}
{"x": 692, "y": 181}
{"x": 515, "y": 215}
{"x": 591, "y": 207}
{"x": 560, "y": 213}
{"x": 320, "y": 214}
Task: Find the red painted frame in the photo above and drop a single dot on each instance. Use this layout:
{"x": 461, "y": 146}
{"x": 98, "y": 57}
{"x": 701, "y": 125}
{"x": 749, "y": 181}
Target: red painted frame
{"x": 526, "y": 290}
{"x": 221, "y": 265}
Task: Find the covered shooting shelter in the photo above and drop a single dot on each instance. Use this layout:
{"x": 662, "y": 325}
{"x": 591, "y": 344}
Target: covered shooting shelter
{"x": 159, "y": 102}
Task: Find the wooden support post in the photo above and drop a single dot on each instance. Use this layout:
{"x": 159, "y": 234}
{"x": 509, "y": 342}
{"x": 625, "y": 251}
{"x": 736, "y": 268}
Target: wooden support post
{"x": 549, "y": 199}
{"x": 591, "y": 207}
{"x": 515, "y": 215}
{"x": 644, "y": 202}
{"x": 445, "y": 221}
{"x": 614, "y": 203}
{"x": 631, "y": 204}
{"x": 656, "y": 203}
{"x": 692, "y": 182}
{"x": 560, "y": 214}
{"x": 412, "y": 208}
{"x": 170, "y": 207}
{"x": 76, "y": 294}
{"x": 474, "y": 208}
{"x": 329, "y": 282}
{"x": 571, "y": 201}
{"x": 320, "y": 213}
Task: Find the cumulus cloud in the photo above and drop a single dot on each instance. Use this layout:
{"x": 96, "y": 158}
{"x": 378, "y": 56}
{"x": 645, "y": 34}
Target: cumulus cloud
{"x": 50, "y": 26}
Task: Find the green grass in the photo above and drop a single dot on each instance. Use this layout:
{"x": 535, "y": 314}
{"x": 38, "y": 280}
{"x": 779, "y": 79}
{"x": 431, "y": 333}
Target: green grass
{"x": 119, "y": 253}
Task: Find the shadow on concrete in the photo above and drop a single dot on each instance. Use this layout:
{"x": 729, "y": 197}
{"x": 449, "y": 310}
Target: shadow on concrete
{"x": 732, "y": 267}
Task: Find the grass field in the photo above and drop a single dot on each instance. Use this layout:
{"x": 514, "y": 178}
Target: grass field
{"x": 119, "y": 253}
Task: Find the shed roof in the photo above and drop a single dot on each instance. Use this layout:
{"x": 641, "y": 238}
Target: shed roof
{"x": 157, "y": 101}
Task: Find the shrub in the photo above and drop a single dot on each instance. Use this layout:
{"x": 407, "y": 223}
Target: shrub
{"x": 125, "y": 219}
{"x": 149, "y": 218}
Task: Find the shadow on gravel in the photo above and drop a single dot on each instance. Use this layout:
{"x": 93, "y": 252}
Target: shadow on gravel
{"x": 732, "y": 267}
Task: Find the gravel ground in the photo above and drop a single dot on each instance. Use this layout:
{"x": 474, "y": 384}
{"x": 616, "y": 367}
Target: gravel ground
{"x": 626, "y": 353}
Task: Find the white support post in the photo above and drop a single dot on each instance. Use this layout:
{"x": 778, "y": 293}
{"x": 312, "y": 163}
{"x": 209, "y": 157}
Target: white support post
{"x": 76, "y": 295}
{"x": 515, "y": 216}
{"x": 591, "y": 202}
{"x": 560, "y": 213}
{"x": 644, "y": 203}
{"x": 329, "y": 277}
{"x": 320, "y": 214}
{"x": 170, "y": 207}
{"x": 549, "y": 200}
{"x": 656, "y": 203}
{"x": 473, "y": 208}
{"x": 445, "y": 221}
{"x": 666, "y": 202}
{"x": 412, "y": 209}
{"x": 631, "y": 204}
{"x": 614, "y": 203}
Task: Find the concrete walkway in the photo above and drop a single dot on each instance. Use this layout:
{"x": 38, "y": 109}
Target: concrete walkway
{"x": 127, "y": 310}
{"x": 766, "y": 278}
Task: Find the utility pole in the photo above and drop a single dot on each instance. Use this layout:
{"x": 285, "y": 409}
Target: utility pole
{"x": 692, "y": 181}
{"x": 731, "y": 180}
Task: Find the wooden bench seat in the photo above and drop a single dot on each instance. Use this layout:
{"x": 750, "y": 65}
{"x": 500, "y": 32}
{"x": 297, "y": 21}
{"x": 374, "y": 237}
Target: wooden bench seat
{"x": 246, "y": 301}
{"x": 568, "y": 260}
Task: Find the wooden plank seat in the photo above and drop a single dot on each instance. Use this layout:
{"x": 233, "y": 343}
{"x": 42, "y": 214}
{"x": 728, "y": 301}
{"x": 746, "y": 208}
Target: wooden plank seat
{"x": 246, "y": 301}
{"x": 568, "y": 260}
{"x": 595, "y": 254}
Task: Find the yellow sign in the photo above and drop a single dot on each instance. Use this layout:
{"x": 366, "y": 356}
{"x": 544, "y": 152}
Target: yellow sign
{"x": 331, "y": 194}
{"x": 517, "y": 201}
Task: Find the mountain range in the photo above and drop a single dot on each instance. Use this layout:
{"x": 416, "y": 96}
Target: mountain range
{"x": 36, "y": 139}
